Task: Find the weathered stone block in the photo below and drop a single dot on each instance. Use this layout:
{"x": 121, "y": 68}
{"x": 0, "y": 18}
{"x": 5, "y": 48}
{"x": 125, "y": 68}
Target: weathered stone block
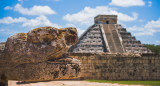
{"x": 26, "y": 55}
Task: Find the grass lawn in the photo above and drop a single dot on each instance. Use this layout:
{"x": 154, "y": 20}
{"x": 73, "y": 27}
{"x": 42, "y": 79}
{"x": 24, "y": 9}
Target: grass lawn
{"x": 146, "y": 83}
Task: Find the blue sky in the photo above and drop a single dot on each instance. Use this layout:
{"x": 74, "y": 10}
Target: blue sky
{"x": 140, "y": 17}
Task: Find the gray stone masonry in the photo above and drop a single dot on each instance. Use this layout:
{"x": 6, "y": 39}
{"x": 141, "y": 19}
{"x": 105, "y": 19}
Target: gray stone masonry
{"x": 106, "y": 36}
{"x": 119, "y": 66}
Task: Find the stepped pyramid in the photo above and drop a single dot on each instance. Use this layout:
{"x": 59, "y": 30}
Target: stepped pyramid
{"x": 106, "y": 36}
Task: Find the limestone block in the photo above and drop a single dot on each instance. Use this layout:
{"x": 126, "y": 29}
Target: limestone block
{"x": 39, "y": 44}
{"x": 26, "y": 55}
{"x": 44, "y": 71}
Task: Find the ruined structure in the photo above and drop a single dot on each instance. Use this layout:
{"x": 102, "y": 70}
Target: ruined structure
{"x": 108, "y": 52}
{"x": 118, "y": 66}
{"x": 105, "y": 51}
{"x": 2, "y": 46}
{"x": 38, "y": 56}
{"x": 106, "y": 36}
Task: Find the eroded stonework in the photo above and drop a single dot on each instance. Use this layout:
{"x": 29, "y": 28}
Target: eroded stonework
{"x": 37, "y": 55}
{"x": 43, "y": 43}
{"x": 63, "y": 68}
{"x": 118, "y": 66}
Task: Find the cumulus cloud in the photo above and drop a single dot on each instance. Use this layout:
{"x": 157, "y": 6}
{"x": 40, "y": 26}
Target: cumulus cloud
{"x": 9, "y": 20}
{"x": 148, "y": 29}
{"x": 80, "y": 31}
{"x": 35, "y": 10}
{"x": 70, "y": 25}
{"x": 8, "y": 8}
{"x": 86, "y": 16}
{"x": 127, "y": 3}
{"x": 39, "y": 21}
{"x": 33, "y": 23}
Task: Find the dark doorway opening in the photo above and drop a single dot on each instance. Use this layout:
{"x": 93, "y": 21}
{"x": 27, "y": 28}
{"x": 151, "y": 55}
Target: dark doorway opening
{"x": 107, "y": 22}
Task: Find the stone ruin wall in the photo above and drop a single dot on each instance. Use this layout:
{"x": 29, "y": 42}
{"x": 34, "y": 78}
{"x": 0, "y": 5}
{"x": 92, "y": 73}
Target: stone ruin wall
{"x": 119, "y": 66}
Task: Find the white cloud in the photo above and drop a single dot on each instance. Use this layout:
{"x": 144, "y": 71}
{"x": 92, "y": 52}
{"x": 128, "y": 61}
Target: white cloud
{"x": 127, "y": 3}
{"x": 8, "y": 8}
{"x": 86, "y": 16}
{"x": 153, "y": 24}
{"x": 148, "y": 29}
{"x": 33, "y": 23}
{"x": 35, "y": 10}
{"x": 9, "y": 20}
{"x": 70, "y": 25}
{"x": 40, "y": 21}
{"x": 80, "y": 31}
{"x": 135, "y": 28}
{"x": 149, "y": 3}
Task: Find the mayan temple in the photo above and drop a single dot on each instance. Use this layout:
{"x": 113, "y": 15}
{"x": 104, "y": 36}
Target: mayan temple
{"x": 106, "y": 36}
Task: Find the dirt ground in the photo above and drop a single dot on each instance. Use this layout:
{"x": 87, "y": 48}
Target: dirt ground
{"x": 65, "y": 83}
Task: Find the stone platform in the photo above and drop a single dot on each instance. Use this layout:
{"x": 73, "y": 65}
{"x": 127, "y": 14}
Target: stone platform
{"x": 119, "y": 66}
{"x": 66, "y": 83}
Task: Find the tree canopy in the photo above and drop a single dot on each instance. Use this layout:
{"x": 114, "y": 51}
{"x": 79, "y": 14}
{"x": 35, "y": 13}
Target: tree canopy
{"x": 154, "y": 48}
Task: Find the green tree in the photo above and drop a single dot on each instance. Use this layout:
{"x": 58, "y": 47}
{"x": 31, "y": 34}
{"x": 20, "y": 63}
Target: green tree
{"x": 154, "y": 48}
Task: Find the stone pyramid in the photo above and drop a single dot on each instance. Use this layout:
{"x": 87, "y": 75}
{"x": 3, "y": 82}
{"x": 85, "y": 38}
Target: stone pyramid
{"x": 106, "y": 36}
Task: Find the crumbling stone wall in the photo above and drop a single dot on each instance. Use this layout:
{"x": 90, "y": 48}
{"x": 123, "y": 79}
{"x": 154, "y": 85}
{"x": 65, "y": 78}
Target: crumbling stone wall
{"x": 119, "y": 66}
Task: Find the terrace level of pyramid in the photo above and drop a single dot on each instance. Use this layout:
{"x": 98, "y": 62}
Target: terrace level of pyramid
{"x": 106, "y": 36}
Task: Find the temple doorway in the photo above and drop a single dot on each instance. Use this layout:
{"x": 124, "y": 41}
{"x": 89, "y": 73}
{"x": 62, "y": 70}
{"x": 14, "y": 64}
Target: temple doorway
{"x": 107, "y": 22}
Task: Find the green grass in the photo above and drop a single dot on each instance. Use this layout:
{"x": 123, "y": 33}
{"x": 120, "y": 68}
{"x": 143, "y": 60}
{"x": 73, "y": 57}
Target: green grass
{"x": 145, "y": 83}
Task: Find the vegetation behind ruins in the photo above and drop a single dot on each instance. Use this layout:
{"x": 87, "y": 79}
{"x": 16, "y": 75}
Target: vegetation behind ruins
{"x": 145, "y": 83}
{"x": 153, "y": 48}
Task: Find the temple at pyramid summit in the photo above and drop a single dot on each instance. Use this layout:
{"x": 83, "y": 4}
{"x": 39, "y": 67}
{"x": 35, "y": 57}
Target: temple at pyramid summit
{"x": 106, "y": 36}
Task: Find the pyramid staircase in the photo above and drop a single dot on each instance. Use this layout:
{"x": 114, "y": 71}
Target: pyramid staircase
{"x": 105, "y": 37}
